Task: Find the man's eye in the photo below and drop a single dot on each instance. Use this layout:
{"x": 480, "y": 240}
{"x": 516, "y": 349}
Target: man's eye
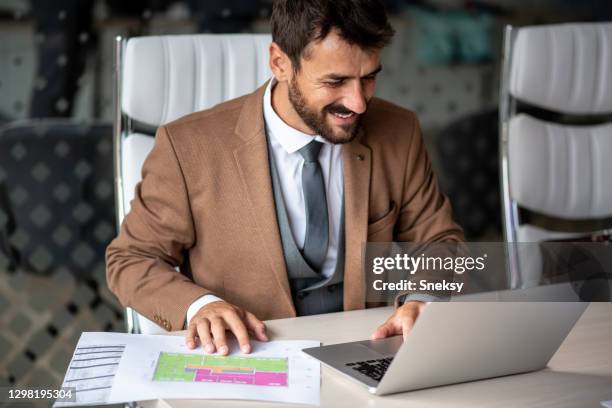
{"x": 334, "y": 83}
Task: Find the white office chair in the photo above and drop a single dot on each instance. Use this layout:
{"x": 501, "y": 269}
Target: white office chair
{"x": 554, "y": 169}
{"x": 161, "y": 78}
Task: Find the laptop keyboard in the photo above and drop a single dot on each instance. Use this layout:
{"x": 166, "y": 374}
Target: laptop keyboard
{"x": 375, "y": 369}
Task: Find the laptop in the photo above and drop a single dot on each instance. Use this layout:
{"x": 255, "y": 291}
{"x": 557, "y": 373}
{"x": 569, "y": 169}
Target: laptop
{"x": 455, "y": 342}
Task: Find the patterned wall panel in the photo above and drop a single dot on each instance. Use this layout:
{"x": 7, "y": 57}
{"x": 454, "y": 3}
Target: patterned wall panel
{"x": 56, "y": 219}
{"x": 17, "y": 69}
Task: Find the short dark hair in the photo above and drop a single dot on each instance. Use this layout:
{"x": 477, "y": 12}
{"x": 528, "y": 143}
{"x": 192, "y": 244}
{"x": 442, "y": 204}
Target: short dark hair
{"x": 297, "y": 23}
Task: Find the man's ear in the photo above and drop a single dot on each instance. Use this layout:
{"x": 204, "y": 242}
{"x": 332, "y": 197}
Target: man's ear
{"x": 280, "y": 63}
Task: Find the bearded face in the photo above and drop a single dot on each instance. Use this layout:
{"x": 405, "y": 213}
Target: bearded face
{"x": 334, "y": 122}
{"x": 328, "y": 92}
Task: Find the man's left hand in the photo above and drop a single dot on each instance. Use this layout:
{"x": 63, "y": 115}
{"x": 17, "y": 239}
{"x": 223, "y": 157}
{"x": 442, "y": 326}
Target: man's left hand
{"x": 401, "y": 321}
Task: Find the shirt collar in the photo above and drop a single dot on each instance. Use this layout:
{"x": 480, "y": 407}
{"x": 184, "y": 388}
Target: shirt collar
{"x": 288, "y": 137}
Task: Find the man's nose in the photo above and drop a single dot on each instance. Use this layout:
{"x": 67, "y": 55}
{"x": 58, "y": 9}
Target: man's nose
{"x": 355, "y": 99}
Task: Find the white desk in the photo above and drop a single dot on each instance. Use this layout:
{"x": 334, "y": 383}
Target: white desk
{"x": 579, "y": 375}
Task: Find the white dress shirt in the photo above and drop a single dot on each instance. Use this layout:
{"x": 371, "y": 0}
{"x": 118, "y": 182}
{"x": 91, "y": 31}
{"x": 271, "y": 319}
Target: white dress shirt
{"x": 285, "y": 142}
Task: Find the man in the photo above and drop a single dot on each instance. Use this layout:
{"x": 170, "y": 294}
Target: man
{"x": 265, "y": 200}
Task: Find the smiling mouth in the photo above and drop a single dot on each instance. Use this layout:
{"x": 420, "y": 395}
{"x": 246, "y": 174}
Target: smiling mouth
{"x": 343, "y": 115}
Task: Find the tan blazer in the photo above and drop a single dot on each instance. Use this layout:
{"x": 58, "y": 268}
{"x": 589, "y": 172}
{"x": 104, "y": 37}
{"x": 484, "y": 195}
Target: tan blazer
{"x": 206, "y": 203}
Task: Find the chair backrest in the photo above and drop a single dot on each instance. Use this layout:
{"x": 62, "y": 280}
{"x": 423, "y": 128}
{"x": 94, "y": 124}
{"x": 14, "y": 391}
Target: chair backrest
{"x": 555, "y": 133}
{"x": 161, "y": 78}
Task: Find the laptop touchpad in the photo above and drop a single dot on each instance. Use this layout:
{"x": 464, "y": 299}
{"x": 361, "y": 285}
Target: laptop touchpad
{"x": 386, "y": 347}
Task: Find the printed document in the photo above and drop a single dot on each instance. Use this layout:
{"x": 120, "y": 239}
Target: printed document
{"x": 111, "y": 368}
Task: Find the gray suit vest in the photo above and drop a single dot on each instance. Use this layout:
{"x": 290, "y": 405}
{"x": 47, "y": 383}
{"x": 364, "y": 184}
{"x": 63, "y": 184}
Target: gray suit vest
{"x": 312, "y": 292}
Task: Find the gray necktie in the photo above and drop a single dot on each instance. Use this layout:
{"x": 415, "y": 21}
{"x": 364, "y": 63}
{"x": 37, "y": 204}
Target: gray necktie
{"x": 317, "y": 228}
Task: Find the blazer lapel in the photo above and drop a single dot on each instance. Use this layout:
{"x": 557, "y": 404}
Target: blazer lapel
{"x": 357, "y": 162}
{"x": 252, "y": 160}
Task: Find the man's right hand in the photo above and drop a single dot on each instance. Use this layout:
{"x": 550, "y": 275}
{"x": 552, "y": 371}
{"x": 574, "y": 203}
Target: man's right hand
{"x": 211, "y": 321}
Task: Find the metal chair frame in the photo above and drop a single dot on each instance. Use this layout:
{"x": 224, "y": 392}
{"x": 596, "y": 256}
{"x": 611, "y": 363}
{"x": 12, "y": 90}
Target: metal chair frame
{"x": 507, "y": 109}
{"x": 123, "y": 124}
